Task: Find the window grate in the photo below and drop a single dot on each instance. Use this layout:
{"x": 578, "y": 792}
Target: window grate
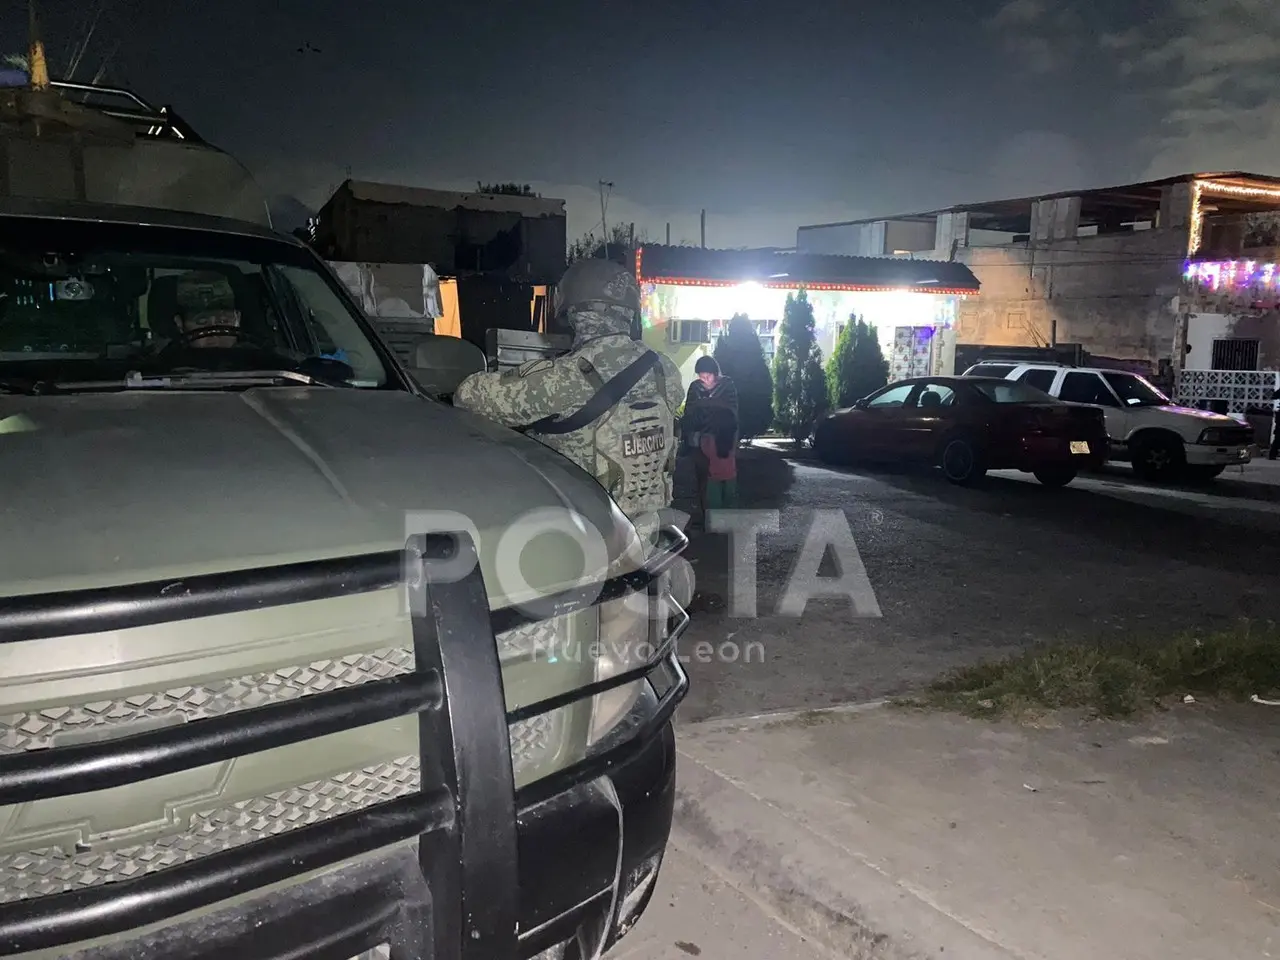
{"x": 1235, "y": 354}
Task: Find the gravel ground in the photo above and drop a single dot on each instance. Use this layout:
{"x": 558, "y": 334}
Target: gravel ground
{"x": 966, "y": 574}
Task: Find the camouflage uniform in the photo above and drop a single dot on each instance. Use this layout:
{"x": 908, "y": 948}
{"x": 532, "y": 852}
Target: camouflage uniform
{"x": 631, "y": 449}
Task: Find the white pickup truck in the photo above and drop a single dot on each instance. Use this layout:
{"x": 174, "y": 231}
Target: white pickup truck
{"x": 1162, "y": 440}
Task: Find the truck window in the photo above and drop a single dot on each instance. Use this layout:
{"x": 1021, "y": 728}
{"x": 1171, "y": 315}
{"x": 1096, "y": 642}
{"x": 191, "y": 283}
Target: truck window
{"x": 86, "y": 301}
{"x": 990, "y": 370}
{"x": 1086, "y": 388}
{"x": 1040, "y": 379}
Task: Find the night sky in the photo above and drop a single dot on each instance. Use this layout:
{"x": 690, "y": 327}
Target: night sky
{"x": 768, "y": 114}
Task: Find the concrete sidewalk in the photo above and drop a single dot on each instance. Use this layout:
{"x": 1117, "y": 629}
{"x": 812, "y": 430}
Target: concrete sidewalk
{"x": 694, "y": 913}
{"x": 1259, "y": 471}
{"x": 889, "y": 833}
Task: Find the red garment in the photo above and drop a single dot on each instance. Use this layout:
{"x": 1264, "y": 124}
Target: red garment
{"x": 718, "y": 468}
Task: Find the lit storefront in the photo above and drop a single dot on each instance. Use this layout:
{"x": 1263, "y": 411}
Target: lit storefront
{"x": 690, "y": 294}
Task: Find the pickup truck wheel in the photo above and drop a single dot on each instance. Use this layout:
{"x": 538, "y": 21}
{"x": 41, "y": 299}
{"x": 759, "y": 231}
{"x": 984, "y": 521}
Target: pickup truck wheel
{"x": 1055, "y": 476}
{"x": 961, "y": 460}
{"x": 1203, "y": 472}
{"x": 1158, "y": 458}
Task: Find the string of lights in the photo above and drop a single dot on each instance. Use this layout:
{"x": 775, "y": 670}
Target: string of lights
{"x": 1216, "y": 188}
{"x": 1181, "y": 263}
{"x": 816, "y": 285}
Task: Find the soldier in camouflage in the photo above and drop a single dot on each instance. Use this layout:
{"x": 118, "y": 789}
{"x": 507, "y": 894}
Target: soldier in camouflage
{"x": 629, "y": 448}
{"x": 206, "y": 302}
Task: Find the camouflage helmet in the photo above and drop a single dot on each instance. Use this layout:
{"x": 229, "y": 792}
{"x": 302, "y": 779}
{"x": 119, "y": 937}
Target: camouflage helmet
{"x": 597, "y": 282}
{"x": 201, "y": 291}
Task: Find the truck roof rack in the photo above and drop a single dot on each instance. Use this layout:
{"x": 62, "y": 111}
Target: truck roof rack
{"x": 152, "y": 122}
{"x": 1018, "y": 361}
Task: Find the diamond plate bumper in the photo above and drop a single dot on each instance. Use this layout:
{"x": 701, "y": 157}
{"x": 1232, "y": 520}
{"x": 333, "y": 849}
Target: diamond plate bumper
{"x": 421, "y": 858}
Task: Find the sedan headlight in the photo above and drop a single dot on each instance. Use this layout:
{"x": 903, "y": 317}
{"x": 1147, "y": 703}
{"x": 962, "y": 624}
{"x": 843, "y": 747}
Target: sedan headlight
{"x": 624, "y": 645}
{"x": 1214, "y": 435}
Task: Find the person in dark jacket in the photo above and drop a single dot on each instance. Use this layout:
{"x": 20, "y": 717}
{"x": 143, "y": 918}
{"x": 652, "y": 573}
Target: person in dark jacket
{"x": 719, "y": 446}
{"x": 1275, "y": 426}
{"x": 710, "y": 390}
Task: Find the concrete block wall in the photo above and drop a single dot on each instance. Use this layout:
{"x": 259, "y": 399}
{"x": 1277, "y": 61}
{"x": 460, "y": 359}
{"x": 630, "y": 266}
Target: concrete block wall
{"x": 1114, "y": 293}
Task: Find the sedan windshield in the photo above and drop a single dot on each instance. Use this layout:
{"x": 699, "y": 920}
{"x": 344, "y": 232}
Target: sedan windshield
{"x": 86, "y": 304}
{"x": 1011, "y": 391}
{"x": 1134, "y": 391}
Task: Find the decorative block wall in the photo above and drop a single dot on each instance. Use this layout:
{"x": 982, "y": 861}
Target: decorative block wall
{"x": 1242, "y": 389}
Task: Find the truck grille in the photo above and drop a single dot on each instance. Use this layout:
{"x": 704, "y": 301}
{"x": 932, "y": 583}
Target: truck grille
{"x": 1231, "y": 436}
{"x": 52, "y": 870}
{"x": 85, "y": 854}
{"x": 531, "y": 740}
{"x": 104, "y": 719}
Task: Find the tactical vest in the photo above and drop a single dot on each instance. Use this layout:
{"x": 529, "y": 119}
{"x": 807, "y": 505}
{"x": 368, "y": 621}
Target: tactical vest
{"x": 630, "y": 429}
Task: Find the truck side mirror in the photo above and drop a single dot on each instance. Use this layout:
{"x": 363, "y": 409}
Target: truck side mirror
{"x": 440, "y": 363}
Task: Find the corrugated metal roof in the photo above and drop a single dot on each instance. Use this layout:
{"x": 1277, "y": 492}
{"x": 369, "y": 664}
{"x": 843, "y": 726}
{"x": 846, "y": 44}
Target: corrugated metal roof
{"x": 780, "y": 267}
{"x": 449, "y": 199}
{"x": 1147, "y": 189}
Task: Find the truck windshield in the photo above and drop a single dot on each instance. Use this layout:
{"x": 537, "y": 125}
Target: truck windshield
{"x": 88, "y": 301}
{"x": 1135, "y": 391}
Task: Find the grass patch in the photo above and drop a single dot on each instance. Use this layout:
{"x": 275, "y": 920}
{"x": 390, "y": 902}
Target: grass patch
{"x": 1115, "y": 679}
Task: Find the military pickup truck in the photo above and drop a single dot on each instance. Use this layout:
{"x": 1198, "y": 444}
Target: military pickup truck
{"x": 296, "y": 660}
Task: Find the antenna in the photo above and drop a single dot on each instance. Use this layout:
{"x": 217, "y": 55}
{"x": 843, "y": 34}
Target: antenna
{"x": 604, "y": 223}
{"x": 79, "y": 51}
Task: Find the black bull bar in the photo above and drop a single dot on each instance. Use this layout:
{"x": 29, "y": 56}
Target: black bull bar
{"x": 461, "y": 897}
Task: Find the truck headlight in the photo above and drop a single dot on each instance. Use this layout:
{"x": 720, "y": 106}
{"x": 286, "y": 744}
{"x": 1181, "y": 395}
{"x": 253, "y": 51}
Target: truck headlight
{"x": 624, "y": 645}
{"x": 542, "y": 660}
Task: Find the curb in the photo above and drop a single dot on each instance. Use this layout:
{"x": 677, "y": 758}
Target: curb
{"x": 842, "y": 901}
{"x": 748, "y": 720}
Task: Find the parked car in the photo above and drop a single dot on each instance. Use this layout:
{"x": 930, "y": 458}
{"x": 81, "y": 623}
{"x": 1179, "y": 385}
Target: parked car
{"x": 967, "y": 426}
{"x": 1163, "y": 441}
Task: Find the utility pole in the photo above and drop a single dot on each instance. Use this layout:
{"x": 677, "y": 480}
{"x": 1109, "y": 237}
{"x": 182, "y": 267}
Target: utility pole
{"x": 668, "y": 234}
{"x": 703, "y": 221}
{"x": 604, "y": 223}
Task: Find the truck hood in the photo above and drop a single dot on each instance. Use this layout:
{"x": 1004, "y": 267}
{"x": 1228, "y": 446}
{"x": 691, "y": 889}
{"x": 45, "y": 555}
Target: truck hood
{"x": 103, "y": 489}
{"x": 1176, "y": 414}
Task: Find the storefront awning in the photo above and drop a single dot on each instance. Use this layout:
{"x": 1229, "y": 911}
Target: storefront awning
{"x": 695, "y": 266}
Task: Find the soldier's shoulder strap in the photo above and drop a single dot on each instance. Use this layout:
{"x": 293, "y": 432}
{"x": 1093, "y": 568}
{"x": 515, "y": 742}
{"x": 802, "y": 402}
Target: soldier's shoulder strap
{"x": 610, "y": 394}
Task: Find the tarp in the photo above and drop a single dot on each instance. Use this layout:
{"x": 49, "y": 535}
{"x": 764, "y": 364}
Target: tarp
{"x": 402, "y": 291}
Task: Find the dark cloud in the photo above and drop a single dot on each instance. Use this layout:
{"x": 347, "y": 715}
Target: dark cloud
{"x": 1200, "y": 75}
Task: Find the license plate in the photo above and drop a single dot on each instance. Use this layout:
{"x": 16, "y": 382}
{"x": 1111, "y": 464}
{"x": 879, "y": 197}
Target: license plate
{"x": 1079, "y": 446}
{"x": 643, "y": 441}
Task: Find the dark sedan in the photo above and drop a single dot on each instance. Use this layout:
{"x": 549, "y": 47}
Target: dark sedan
{"x": 967, "y": 426}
